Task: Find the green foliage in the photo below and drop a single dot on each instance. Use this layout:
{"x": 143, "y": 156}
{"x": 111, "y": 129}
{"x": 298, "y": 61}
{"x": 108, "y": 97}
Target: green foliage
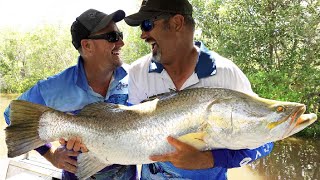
{"x": 27, "y": 57}
{"x": 276, "y": 44}
{"x": 134, "y": 47}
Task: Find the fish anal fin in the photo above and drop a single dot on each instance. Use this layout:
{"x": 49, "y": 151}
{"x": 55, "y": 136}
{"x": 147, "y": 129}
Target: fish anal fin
{"x": 195, "y": 139}
{"x": 88, "y": 165}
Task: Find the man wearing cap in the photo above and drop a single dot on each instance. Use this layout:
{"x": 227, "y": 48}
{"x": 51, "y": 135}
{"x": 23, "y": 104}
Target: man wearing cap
{"x": 99, "y": 76}
{"x": 177, "y": 62}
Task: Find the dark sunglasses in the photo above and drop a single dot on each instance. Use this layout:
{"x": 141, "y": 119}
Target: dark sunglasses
{"x": 148, "y": 25}
{"x": 113, "y": 36}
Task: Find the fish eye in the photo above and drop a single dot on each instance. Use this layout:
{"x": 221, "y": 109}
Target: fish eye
{"x": 280, "y": 109}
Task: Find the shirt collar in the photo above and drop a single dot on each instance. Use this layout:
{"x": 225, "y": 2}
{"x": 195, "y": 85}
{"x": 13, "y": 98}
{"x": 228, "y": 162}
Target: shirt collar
{"x": 81, "y": 78}
{"x": 205, "y": 67}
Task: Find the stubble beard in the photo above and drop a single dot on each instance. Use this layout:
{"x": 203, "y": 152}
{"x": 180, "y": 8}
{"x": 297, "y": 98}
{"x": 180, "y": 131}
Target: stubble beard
{"x": 156, "y": 56}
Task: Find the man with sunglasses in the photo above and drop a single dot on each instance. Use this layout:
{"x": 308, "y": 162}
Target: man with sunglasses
{"x": 99, "y": 76}
{"x": 177, "y": 62}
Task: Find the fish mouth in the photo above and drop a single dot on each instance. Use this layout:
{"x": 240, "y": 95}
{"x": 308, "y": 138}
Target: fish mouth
{"x": 292, "y": 118}
{"x": 295, "y": 119}
{"x": 303, "y": 121}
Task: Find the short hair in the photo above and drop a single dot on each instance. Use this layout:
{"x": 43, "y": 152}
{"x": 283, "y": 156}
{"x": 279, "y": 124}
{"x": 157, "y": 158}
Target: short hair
{"x": 189, "y": 21}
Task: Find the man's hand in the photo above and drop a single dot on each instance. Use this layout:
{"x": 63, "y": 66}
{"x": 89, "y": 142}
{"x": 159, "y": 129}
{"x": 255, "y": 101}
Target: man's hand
{"x": 62, "y": 156}
{"x": 186, "y": 156}
{"x": 62, "y": 159}
{"x": 74, "y": 143}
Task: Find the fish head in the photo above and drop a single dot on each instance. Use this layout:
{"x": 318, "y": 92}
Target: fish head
{"x": 282, "y": 119}
{"x": 247, "y": 121}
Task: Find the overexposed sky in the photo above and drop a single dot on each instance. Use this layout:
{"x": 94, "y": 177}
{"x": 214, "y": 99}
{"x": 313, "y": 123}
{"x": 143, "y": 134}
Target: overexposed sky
{"x": 30, "y": 13}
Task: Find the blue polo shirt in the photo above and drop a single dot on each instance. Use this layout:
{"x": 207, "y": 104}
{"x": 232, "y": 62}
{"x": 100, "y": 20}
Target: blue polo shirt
{"x": 69, "y": 91}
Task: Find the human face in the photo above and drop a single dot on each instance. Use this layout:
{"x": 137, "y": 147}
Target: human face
{"x": 107, "y": 45}
{"x": 158, "y": 34}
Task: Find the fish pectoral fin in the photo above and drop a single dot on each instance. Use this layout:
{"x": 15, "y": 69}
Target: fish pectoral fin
{"x": 194, "y": 139}
{"x": 88, "y": 165}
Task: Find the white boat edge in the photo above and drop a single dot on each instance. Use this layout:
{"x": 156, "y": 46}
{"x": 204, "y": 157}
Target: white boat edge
{"x": 26, "y": 167}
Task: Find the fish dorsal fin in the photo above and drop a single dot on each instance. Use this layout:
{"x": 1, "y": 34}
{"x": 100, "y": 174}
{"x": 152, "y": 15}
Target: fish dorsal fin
{"x": 161, "y": 96}
{"x": 149, "y": 105}
{"x": 88, "y": 165}
{"x": 99, "y": 109}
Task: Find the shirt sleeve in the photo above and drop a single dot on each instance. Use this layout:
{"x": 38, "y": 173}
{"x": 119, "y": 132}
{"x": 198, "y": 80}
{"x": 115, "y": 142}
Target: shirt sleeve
{"x": 235, "y": 158}
{"x": 32, "y": 95}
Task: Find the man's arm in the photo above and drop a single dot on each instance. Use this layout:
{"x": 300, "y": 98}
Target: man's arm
{"x": 235, "y": 158}
{"x": 188, "y": 157}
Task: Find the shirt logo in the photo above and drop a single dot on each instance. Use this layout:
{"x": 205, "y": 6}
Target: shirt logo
{"x": 245, "y": 161}
{"x": 121, "y": 86}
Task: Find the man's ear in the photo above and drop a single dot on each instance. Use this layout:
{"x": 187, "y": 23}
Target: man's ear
{"x": 86, "y": 45}
{"x": 178, "y": 22}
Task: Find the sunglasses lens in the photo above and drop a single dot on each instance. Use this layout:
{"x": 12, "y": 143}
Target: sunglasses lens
{"x": 146, "y": 25}
{"x": 114, "y": 36}
{"x": 120, "y": 34}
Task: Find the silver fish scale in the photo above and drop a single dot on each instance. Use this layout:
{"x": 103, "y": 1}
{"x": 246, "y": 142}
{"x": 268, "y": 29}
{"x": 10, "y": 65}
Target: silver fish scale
{"x": 206, "y": 118}
{"x": 117, "y": 133}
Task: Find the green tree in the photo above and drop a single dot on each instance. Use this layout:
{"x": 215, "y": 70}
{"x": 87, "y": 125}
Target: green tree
{"x": 276, "y": 44}
{"x": 134, "y": 47}
{"x": 30, "y": 56}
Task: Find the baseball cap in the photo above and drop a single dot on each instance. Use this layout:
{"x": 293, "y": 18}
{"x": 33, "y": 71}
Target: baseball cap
{"x": 152, "y": 8}
{"x": 92, "y": 21}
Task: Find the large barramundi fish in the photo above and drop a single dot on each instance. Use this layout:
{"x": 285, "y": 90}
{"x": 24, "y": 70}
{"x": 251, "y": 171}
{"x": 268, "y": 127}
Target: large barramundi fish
{"x": 206, "y": 118}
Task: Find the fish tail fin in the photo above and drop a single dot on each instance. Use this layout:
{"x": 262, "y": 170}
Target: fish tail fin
{"x": 22, "y": 134}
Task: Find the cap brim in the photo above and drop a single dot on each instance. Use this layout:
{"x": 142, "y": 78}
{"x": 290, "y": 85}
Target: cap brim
{"x": 116, "y": 17}
{"x": 137, "y": 18}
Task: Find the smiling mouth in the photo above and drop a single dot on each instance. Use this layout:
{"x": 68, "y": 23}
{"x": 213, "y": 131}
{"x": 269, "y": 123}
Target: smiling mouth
{"x": 153, "y": 45}
{"x": 117, "y": 53}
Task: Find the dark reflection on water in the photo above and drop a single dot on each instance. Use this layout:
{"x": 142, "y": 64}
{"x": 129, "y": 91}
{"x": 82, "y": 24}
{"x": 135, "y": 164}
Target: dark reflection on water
{"x": 292, "y": 159}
